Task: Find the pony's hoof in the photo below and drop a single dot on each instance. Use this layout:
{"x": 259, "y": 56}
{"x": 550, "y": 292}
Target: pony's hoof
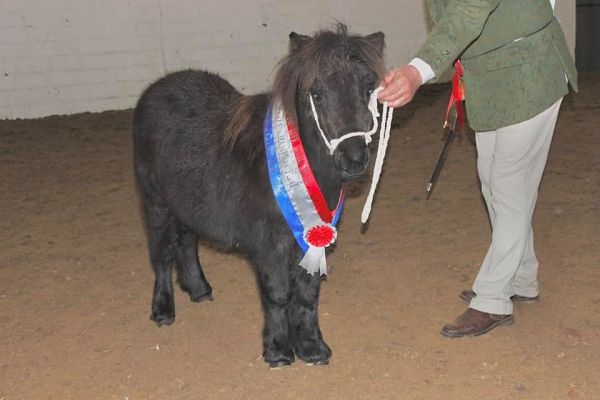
{"x": 163, "y": 309}
{"x": 197, "y": 292}
{"x": 161, "y": 320}
{"x": 279, "y": 364}
{"x": 199, "y": 298}
{"x": 313, "y": 352}
{"x": 318, "y": 363}
{"x": 278, "y": 359}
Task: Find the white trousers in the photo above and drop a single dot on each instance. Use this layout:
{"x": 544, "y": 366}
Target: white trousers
{"x": 510, "y": 163}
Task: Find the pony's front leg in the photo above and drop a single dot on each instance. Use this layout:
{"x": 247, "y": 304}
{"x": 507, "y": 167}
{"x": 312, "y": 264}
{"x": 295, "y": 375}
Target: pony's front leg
{"x": 275, "y": 294}
{"x": 307, "y": 340}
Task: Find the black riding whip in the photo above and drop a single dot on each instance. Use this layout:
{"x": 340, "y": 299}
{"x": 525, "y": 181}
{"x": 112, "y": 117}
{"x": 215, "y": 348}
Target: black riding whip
{"x": 456, "y": 109}
{"x": 451, "y": 127}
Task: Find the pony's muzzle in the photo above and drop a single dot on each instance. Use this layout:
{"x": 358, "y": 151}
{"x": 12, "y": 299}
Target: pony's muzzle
{"x": 351, "y": 158}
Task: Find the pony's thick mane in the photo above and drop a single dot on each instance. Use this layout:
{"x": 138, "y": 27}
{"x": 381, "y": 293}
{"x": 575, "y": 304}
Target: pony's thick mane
{"x": 297, "y": 72}
{"x": 244, "y": 128}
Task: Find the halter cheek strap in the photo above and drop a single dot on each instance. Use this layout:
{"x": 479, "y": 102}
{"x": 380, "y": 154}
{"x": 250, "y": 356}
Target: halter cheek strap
{"x": 384, "y": 136}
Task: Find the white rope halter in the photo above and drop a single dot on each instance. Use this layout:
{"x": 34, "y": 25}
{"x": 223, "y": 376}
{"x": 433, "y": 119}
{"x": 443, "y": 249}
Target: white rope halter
{"x": 384, "y": 136}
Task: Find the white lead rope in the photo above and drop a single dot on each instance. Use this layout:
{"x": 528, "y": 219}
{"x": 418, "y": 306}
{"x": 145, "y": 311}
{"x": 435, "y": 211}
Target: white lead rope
{"x": 384, "y": 136}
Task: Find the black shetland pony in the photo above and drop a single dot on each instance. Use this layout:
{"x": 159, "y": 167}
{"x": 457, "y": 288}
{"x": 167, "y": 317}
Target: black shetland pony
{"x": 201, "y": 174}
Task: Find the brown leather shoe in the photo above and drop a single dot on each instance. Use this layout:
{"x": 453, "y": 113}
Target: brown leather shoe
{"x": 467, "y": 295}
{"x": 474, "y": 323}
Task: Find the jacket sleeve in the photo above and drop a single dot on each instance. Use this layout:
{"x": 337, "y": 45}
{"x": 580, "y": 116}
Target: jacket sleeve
{"x": 459, "y": 25}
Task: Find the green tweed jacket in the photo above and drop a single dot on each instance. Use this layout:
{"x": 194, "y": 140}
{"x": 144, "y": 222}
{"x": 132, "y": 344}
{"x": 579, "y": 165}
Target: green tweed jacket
{"x": 514, "y": 55}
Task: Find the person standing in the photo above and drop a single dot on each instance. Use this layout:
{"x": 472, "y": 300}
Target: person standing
{"x": 517, "y": 68}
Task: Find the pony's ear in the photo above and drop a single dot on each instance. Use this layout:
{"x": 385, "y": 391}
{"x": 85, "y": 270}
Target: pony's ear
{"x": 376, "y": 40}
{"x": 298, "y": 41}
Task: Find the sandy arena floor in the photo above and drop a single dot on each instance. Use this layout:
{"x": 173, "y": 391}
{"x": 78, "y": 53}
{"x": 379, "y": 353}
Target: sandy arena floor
{"x": 75, "y": 282}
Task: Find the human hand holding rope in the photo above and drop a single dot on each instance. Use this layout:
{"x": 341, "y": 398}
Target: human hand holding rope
{"x": 400, "y": 85}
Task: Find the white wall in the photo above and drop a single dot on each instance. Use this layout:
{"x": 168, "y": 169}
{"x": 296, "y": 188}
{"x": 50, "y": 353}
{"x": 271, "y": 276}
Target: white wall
{"x": 68, "y": 56}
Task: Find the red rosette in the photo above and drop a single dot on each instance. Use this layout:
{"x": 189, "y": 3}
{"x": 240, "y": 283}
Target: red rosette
{"x": 320, "y": 235}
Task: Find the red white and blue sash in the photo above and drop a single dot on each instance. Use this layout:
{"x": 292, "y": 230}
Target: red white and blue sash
{"x": 297, "y": 192}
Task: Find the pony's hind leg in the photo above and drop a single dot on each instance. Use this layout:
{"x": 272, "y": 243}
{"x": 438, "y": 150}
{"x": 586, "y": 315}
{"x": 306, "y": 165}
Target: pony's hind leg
{"x": 305, "y": 333}
{"x": 162, "y": 237}
{"x": 189, "y": 271}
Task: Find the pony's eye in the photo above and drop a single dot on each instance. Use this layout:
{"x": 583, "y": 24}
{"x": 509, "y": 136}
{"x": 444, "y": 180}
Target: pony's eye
{"x": 316, "y": 96}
